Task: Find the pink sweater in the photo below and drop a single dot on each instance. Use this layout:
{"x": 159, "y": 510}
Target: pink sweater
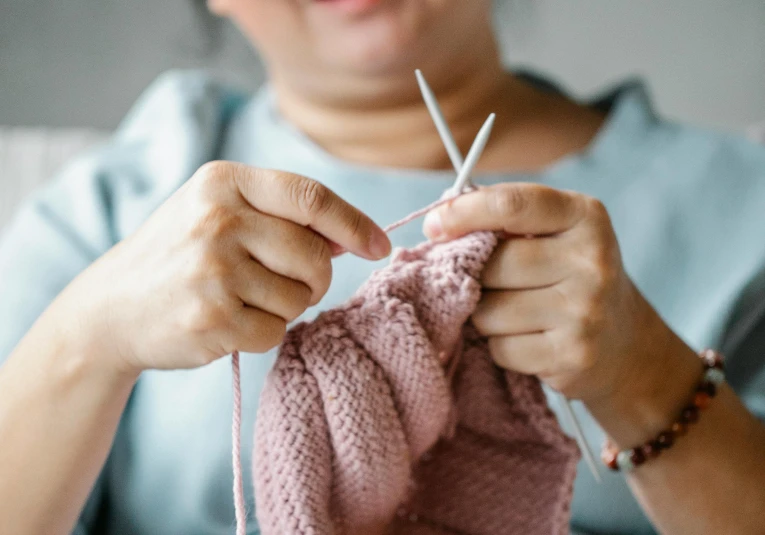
{"x": 387, "y": 415}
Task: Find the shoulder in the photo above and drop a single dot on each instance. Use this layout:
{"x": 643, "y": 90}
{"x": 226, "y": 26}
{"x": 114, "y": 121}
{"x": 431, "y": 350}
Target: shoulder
{"x": 177, "y": 124}
{"x": 721, "y": 176}
{"x": 687, "y": 205}
{"x": 677, "y": 166}
{"x": 182, "y": 115}
{"x": 181, "y": 98}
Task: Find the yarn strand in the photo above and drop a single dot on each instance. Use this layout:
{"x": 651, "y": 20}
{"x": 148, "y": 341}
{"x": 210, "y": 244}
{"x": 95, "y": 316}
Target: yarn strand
{"x": 419, "y": 213}
{"x": 236, "y": 420}
{"x": 236, "y": 450}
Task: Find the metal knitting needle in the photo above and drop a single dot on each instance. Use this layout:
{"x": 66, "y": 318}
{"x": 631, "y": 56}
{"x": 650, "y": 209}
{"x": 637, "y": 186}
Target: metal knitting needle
{"x": 584, "y": 446}
{"x": 473, "y": 155}
{"x": 464, "y": 171}
{"x": 440, "y": 121}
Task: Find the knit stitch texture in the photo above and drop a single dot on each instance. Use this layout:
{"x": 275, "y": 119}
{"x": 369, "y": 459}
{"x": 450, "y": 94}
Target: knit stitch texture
{"x": 387, "y": 415}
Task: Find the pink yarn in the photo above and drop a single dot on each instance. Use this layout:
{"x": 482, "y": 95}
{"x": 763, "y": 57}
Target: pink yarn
{"x": 240, "y": 510}
{"x": 419, "y": 213}
{"x": 387, "y": 415}
{"x": 236, "y": 452}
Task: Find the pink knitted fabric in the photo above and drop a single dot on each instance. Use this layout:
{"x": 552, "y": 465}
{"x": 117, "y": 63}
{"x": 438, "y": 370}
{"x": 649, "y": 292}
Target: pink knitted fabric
{"x": 387, "y": 415}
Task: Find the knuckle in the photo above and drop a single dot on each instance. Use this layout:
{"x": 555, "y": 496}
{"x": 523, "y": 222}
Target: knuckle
{"x": 588, "y": 316}
{"x": 309, "y": 196}
{"x": 595, "y": 208}
{"x": 507, "y": 201}
{"x": 270, "y": 333}
{"x": 300, "y": 300}
{"x": 480, "y": 321}
{"x": 210, "y": 174}
{"x": 322, "y": 279}
{"x": 498, "y": 352}
{"x": 355, "y": 223}
{"x": 581, "y": 356}
{"x": 218, "y": 221}
{"x": 602, "y": 267}
{"x": 210, "y": 271}
{"x": 318, "y": 251}
{"x": 319, "y": 266}
{"x": 202, "y": 318}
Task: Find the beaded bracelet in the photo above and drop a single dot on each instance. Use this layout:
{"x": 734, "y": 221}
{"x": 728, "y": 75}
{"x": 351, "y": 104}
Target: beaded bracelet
{"x": 627, "y": 460}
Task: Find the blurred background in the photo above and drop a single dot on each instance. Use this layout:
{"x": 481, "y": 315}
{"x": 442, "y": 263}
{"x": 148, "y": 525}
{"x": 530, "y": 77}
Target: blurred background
{"x": 70, "y": 70}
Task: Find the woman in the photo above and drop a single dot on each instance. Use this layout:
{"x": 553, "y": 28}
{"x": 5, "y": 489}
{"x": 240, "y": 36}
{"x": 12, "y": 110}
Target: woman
{"x": 144, "y": 257}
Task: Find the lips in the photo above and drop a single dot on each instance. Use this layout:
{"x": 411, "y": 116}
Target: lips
{"x": 350, "y": 6}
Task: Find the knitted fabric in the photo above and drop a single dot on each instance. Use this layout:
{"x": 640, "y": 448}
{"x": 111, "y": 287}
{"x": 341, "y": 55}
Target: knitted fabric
{"x": 387, "y": 415}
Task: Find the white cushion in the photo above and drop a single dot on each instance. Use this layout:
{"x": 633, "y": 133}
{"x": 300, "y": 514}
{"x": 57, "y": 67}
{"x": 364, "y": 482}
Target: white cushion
{"x": 30, "y": 156}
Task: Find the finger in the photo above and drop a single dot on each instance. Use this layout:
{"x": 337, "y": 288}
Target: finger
{"x": 256, "y": 331}
{"x": 261, "y": 288}
{"x": 511, "y": 312}
{"x": 290, "y": 250}
{"x": 522, "y": 263}
{"x": 531, "y": 354}
{"x": 514, "y": 208}
{"x": 313, "y": 205}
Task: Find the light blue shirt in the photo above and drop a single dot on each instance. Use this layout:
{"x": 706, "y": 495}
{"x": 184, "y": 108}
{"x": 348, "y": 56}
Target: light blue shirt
{"x": 688, "y": 207}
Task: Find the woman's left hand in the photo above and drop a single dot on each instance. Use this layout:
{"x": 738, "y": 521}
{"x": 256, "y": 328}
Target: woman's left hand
{"x": 557, "y": 303}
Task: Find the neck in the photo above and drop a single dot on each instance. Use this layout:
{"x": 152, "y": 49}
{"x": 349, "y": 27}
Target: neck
{"x": 382, "y": 120}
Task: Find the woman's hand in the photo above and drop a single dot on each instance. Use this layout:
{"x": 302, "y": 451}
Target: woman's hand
{"x": 557, "y": 302}
{"x": 223, "y": 265}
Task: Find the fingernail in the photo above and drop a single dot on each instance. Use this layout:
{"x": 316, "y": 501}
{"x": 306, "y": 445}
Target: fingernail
{"x": 432, "y": 227}
{"x": 379, "y": 245}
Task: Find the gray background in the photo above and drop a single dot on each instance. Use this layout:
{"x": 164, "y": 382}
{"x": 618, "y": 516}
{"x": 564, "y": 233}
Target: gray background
{"x": 83, "y": 62}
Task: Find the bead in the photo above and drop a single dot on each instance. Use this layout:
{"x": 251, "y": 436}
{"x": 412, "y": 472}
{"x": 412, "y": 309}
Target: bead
{"x": 608, "y": 456}
{"x": 627, "y": 460}
{"x": 624, "y": 460}
{"x": 690, "y": 415}
{"x": 714, "y": 376}
{"x": 665, "y": 440}
{"x": 712, "y": 359}
{"x": 637, "y": 457}
{"x": 650, "y": 450}
{"x": 709, "y": 388}
{"x": 679, "y": 429}
{"x": 701, "y": 400}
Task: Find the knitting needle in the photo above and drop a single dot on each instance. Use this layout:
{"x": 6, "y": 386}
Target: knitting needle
{"x": 464, "y": 174}
{"x": 440, "y": 121}
{"x": 584, "y": 446}
{"x": 464, "y": 171}
{"x": 473, "y": 155}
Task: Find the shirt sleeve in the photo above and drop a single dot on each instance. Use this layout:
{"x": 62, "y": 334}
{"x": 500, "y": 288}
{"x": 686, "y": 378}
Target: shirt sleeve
{"x": 41, "y": 251}
{"x": 744, "y": 346}
{"x": 101, "y": 198}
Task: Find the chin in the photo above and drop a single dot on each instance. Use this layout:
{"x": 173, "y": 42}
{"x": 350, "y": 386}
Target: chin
{"x": 389, "y": 37}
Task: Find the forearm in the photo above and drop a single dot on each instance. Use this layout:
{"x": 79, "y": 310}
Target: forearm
{"x": 713, "y": 479}
{"x": 60, "y": 404}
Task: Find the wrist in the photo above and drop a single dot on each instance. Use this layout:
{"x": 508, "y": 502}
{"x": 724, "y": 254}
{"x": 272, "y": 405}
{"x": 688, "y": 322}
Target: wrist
{"x": 650, "y": 398}
{"x": 85, "y": 341}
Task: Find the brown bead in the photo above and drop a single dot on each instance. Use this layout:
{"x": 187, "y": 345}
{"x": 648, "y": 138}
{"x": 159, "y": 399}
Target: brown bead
{"x": 690, "y": 415}
{"x": 701, "y": 400}
{"x": 679, "y": 429}
{"x": 709, "y": 388}
{"x": 665, "y": 440}
{"x": 650, "y": 450}
{"x": 637, "y": 457}
{"x": 713, "y": 359}
{"x": 608, "y": 456}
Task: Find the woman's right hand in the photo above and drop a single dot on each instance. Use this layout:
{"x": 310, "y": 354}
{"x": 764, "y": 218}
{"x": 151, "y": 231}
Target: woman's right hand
{"x": 223, "y": 265}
